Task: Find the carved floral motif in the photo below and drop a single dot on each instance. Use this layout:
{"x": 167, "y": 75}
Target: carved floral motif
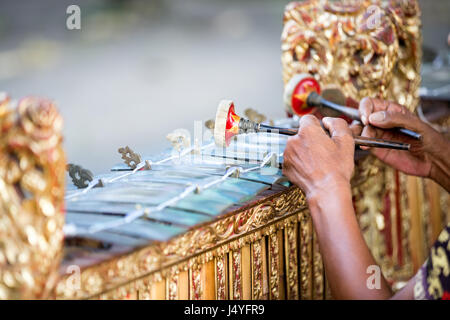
{"x": 32, "y": 169}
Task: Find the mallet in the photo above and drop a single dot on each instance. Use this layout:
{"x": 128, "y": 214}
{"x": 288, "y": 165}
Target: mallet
{"x": 303, "y": 93}
{"x": 229, "y": 124}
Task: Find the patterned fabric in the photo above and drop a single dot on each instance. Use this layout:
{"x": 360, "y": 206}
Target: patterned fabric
{"x": 433, "y": 278}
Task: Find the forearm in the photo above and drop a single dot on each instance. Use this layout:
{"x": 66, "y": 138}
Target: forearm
{"x": 344, "y": 251}
{"x": 440, "y": 169}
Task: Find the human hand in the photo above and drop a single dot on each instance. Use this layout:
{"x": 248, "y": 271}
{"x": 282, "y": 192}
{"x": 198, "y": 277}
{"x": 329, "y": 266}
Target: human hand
{"x": 316, "y": 162}
{"x": 425, "y": 158}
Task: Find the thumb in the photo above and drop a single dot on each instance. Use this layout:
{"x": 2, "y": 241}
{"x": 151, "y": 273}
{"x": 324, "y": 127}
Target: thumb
{"x": 391, "y": 119}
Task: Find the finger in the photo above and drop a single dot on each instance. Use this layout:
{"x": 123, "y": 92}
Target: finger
{"x": 372, "y": 132}
{"x": 336, "y": 126}
{"x": 356, "y": 127}
{"x": 339, "y": 131}
{"x": 369, "y": 132}
{"x": 391, "y": 119}
{"x": 365, "y": 109}
{"x": 309, "y": 120}
{"x": 309, "y": 124}
{"x": 287, "y": 155}
{"x": 367, "y": 106}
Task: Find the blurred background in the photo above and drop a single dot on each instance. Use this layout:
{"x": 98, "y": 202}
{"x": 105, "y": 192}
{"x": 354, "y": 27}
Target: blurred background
{"x": 139, "y": 69}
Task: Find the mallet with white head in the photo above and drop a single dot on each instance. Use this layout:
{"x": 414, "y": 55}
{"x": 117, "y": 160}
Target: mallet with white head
{"x": 229, "y": 124}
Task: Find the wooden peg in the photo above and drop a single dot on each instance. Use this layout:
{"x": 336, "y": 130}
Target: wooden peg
{"x": 131, "y": 158}
{"x": 254, "y": 115}
{"x": 210, "y": 125}
{"x": 80, "y": 176}
{"x": 179, "y": 139}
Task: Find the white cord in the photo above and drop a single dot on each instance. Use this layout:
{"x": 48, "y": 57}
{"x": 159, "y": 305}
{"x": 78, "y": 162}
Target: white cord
{"x": 73, "y": 230}
{"x": 139, "y": 166}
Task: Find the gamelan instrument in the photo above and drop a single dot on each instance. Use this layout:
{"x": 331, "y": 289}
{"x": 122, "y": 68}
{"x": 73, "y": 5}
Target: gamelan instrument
{"x": 228, "y": 124}
{"x": 200, "y": 221}
{"x": 196, "y": 222}
{"x": 303, "y": 93}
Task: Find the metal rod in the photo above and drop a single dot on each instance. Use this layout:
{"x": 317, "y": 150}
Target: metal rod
{"x": 380, "y": 143}
{"x": 359, "y": 141}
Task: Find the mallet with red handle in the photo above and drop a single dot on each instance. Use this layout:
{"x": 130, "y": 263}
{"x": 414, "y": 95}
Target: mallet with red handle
{"x": 302, "y": 95}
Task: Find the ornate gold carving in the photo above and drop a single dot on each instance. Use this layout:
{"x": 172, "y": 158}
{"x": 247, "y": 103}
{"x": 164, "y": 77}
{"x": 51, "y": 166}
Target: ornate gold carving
{"x": 274, "y": 260}
{"x": 305, "y": 256}
{"x": 143, "y": 287}
{"x": 235, "y": 225}
{"x": 196, "y": 287}
{"x": 32, "y": 164}
{"x": 172, "y": 284}
{"x": 126, "y": 292}
{"x": 105, "y": 276}
{"x": 291, "y": 261}
{"x": 216, "y": 239}
{"x": 366, "y": 48}
{"x": 257, "y": 271}
{"x": 221, "y": 277}
{"x": 369, "y": 197}
{"x": 236, "y": 275}
{"x": 318, "y": 287}
{"x": 406, "y": 227}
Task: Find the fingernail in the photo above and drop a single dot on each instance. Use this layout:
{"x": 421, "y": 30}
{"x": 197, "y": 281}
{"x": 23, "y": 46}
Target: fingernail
{"x": 364, "y": 120}
{"x": 377, "y": 116}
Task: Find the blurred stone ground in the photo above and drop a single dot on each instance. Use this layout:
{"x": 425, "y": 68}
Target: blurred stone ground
{"x": 140, "y": 69}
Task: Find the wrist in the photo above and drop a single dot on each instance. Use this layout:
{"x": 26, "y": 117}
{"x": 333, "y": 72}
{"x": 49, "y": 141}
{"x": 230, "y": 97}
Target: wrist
{"x": 331, "y": 187}
{"x": 440, "y": 161}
